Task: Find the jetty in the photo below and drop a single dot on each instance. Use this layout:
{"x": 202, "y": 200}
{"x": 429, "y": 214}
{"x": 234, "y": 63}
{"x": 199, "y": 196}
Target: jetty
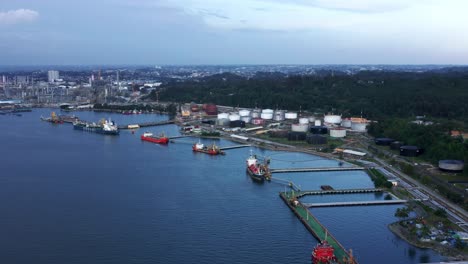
{"x": 235, "y": 147}
{"x": 146, "y": 124}
{"x": 341, "y": 191}
{"x": 315, "y": 169}
{"x": 354, "y": 203}
{"x": 315, "y": 227}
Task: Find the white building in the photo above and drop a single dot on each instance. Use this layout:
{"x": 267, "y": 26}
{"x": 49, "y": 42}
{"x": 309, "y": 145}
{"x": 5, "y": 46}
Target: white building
{"x": 52, "y": 76}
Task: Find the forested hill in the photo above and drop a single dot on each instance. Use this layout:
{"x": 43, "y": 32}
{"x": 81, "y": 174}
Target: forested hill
{"x": 376, "y": 94}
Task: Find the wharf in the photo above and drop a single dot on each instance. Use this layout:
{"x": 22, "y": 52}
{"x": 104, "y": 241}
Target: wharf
{"x": 354, "y": 203}
{"x": 147, "y": 124}
{"x": 315, "y": 169}
{"x": 315, "y": 227}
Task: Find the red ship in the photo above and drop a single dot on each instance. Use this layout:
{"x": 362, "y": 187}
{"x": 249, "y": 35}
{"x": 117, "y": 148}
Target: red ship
{"x": 162, "y": 139}
{"x": 323, "y": 253}
{"x": 211, "y": 150}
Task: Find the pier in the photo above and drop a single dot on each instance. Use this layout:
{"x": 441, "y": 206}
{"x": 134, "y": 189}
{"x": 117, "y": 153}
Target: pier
{"x": 315, "y": 227}
{"x": 342, "y": 191}
{"x": 147, "y": 124}
{"x": 316, "y": 169}
{"x": 354, "y": 203}
{"x": 234, "y": 147}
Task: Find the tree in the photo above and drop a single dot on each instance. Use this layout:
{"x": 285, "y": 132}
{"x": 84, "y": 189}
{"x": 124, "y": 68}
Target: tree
{"x": 402, "y": 213}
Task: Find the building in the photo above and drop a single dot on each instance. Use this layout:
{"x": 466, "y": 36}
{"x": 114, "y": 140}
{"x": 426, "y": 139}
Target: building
{"x": 52, "y": 76}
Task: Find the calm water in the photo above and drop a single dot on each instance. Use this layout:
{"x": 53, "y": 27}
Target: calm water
{"x": 75, "y": 197}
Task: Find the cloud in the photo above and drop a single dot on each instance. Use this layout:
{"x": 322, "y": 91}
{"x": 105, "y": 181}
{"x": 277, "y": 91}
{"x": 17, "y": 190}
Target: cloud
{"x": 18, "y": 16}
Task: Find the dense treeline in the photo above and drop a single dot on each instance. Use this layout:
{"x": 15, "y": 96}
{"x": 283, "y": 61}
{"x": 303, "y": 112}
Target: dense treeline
{"x": 376, "y": 94}
{"x": 434, "y": 139}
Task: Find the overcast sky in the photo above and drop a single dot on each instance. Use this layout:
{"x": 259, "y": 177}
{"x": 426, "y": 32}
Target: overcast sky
{"x": 160, "y": 32}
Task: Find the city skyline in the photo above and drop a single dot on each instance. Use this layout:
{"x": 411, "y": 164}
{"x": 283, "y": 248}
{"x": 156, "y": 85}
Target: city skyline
{"x": 243, "y": 32}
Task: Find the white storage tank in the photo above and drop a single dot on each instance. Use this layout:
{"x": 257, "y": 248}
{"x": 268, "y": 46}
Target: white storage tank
{"x": 244, "y": 112}
{"x": 318, "y": 123}
{"x": 346, "y": 123}
{"x": 267, "y": 111}
{"x": 311, "y": 119}
{"x": 266, "y": 116}
{"x": 332, "y": 119}
{"x": 338, "y": 132}
{"x": 358, "y": 126}
{"x": 234, "y": 117}
{"x": 290, "y": 115}
{"x": 303, "y": 120}
{"x": 279, "y": 115}
{"x": 223, "y": 116}
{"x": 299, "y": 127}
{"x": 222, "y": 122}
{"x": 256, "y": 113}
{"x": 246, "y": 119}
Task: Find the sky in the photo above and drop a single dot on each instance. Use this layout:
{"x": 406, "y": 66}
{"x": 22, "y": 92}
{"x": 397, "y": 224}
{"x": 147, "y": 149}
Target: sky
{"x": 161, "y": 32}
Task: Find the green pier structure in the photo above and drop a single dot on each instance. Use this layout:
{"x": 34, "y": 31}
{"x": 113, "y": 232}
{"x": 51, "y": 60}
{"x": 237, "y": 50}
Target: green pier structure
{"x": 315, "y": 227}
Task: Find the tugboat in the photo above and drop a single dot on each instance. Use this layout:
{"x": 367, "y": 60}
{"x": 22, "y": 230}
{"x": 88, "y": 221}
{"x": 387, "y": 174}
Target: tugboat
{"x": 323, "y": 253}
{"x": 104, "y": 127}
{"x": 161, "y": 139}
{"x": 211, "y": 150}
{"x": 257, "y": 171}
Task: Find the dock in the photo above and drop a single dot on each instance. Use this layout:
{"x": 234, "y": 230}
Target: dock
{"x": 147, "y": 124}
{"x": 341, "y": 191}
{"x": 316, "y": 169}
{"x": 234, "y": 147}
{"x": 315, "y": 227}
{"x": 354, "y": 203}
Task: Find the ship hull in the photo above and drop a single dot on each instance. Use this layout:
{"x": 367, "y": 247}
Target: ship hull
{"x": 162, "y": 140}
{"x": 256, "y": 176}
{"x": 96, "y": 130}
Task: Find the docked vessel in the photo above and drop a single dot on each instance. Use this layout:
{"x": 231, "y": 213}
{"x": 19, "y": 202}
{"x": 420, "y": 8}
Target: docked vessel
{"x": 161, "y": 139}
{"x": 211, "y": 150}
{"x": 256, "y": 170}
{"x": 323, "y": 253}
{"x": 106, "y": 127}
{"x": 54, "y": 119}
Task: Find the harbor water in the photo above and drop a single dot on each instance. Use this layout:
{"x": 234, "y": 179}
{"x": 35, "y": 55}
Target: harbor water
{"x": 70, "y": 196}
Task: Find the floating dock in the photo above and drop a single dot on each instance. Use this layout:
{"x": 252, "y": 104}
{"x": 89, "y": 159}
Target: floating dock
{"x": 147, "y": 124}
{"x": 315, "y": 169}
{"x": 315, "y": 227}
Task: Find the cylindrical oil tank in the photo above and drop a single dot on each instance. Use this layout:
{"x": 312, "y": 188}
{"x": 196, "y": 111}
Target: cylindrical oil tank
{"x": 318, "y": 123}
{"x": 279, "y": 115}
{"x": 194, "y": 107}
{"x": 299, "y": 127}
{"x": 316, "y": 139}
{"x": 266, "y": 116}
{"x": 346, "y": 123}
{"x": 410, "y": 151}
{"x": 396, "y": 145}
{"x": 237, "y": 123}
{"x": 278, "y": 133}
{"x": 296, "y": 136}
{"x": 211, "y": 109}
{"x": 384, "y": 141}
{"x": 258, "y": 121}
{"x": 333, "y": 119}
{"x": 222, "y": 122}
{"x": 244, "y": 112}
{"x": 358, "y": 126}
{"x": 246, "y": 119}
{"x": 234, "y": 117}
{"x": 290, "y": 115}
{"x": 267, "y": 111}
{"x": 303, "y": 120}
{"x": 311, "y": 119}
{"x": 256, "y": 113}
{"x": 223, "y": 116}
{"x": 318, "y": 130}
{"x": 451, "y": 165}
{"x": 338, "y": 132}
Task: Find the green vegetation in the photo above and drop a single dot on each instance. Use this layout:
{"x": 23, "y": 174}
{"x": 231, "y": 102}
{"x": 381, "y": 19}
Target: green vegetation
{"x": 379, "y": 179}
{"x": 171, "y": 109}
